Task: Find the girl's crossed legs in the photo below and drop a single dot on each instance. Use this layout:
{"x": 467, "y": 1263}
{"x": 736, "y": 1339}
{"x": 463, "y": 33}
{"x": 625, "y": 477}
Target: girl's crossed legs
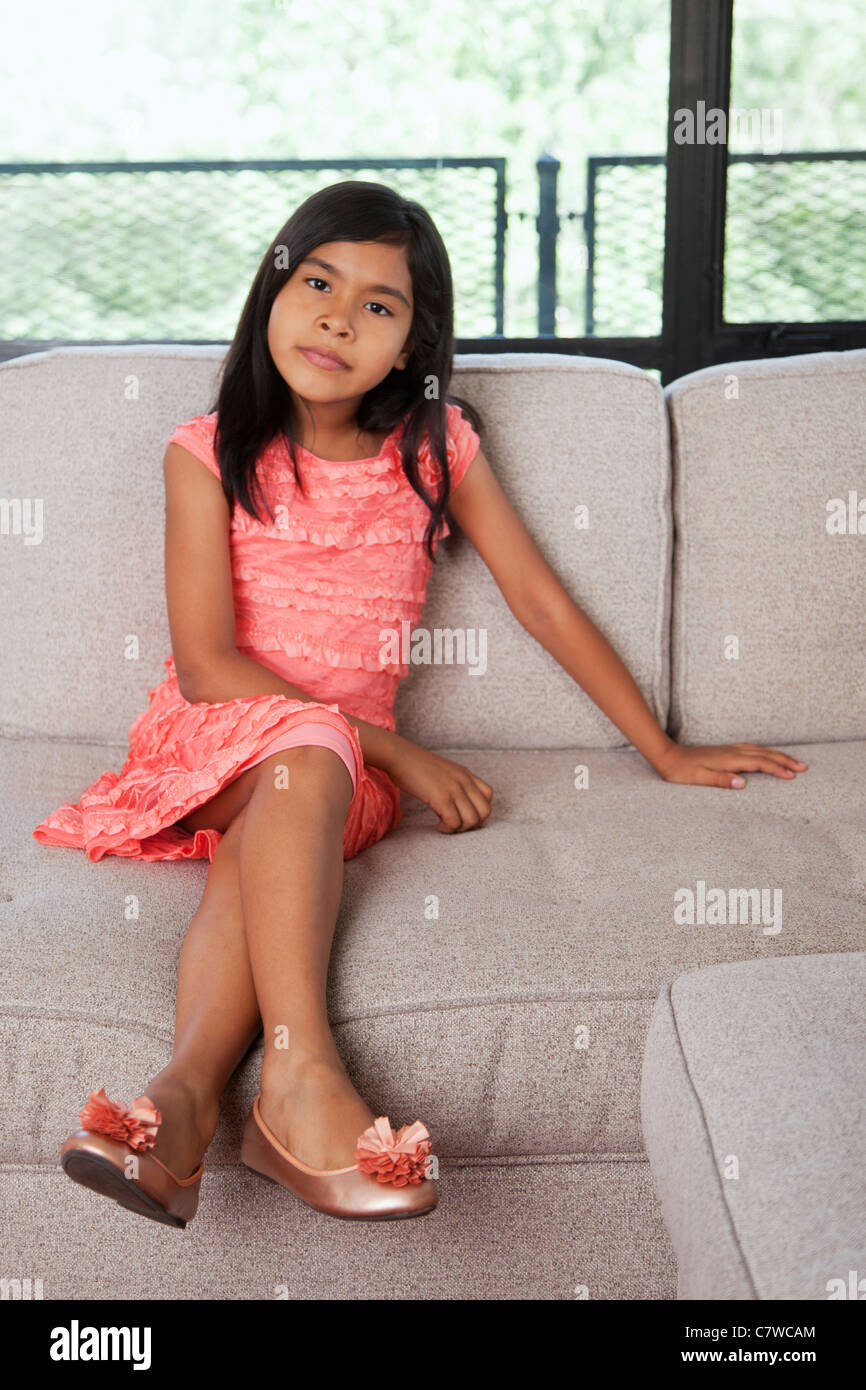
{"x": 256, "y": 955}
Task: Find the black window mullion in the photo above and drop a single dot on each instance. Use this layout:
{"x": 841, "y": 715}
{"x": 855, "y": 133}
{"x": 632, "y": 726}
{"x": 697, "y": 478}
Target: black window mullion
{"x": 700, "y": 71}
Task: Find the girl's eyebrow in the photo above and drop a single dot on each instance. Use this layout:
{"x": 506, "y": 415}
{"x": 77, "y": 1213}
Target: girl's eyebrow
{"x": 377, "y": 289}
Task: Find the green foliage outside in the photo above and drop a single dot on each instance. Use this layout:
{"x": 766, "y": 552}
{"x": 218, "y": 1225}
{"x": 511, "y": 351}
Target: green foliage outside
{"x": 172, "y": 256}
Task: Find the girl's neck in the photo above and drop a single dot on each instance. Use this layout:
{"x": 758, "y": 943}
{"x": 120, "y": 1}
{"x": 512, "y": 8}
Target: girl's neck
{"x": 332, "y": 433}
{"x": 346, "y": 449}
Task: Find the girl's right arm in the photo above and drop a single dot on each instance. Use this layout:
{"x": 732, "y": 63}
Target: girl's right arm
{"x": 210, "y": 669}
{"x": 200, "y": 602}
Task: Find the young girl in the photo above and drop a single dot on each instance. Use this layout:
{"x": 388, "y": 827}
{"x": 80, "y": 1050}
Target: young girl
{"x": 270, "y": 748}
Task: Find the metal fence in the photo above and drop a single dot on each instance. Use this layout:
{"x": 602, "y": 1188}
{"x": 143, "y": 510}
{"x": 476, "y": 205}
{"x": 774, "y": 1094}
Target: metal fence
{"x": 168, "y": 250}
{"x": 795, "y": 230}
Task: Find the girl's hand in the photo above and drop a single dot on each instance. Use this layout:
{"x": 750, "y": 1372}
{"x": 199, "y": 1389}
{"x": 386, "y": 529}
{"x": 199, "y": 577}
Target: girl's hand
{"x": 717, "y": 766}
{"x": 460, "y": 799}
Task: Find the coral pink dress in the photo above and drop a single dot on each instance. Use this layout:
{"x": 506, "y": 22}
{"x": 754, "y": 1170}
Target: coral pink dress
{"x": 312, "y": 595}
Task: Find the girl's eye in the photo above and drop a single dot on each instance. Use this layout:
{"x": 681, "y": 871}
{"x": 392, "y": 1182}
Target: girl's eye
{"x": 317, "y": 279}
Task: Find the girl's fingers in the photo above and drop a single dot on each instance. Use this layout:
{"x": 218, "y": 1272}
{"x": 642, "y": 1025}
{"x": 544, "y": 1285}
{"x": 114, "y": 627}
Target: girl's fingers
{"x": 764, "y": 764}
{"x": 722, "y": 766}
{"x": 450, "y": 818}
{"x": 480, "y": 802}
{"x": 785, "y": 759}
{"x": 777, "y": 754}
{"x": 714, "y": 777}
{"x": 757, "y": 763}
{"x": 729, "y": 776}
{"x": 731, "y": 779}
{"x": 470, "y": 810}
{"x": 471, "y": 815}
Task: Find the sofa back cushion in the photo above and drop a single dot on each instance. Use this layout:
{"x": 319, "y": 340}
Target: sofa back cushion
{"x": 580, "y": 447}
{"x": 85, "y": 623}
{"x": 770, "y": 560}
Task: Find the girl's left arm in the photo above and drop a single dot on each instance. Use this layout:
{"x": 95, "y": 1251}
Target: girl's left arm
{"x": 542, "y": 606}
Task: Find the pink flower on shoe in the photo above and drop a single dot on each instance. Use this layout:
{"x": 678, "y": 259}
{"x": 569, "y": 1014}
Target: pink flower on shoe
{"x": 135, "y": 1124}
{"x": 396, "y": 1158}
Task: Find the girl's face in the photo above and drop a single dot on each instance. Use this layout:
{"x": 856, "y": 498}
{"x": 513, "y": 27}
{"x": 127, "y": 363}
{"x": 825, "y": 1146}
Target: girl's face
{"x": 352, "y": 298}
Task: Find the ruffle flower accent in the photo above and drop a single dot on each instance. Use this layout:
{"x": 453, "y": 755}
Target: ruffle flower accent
{"x": 396, "y": 1158}
{"x": 135, "y": 1124}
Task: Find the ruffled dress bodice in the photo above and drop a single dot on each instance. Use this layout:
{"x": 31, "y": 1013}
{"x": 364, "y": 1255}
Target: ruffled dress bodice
{"x": 316, "y": 596}
{"x": 318, "y": 593}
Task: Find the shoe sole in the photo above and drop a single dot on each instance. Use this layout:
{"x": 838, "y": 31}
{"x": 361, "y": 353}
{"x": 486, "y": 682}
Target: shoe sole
{"x": 100, "y": 1175}
{"x": 344, "y": 1216}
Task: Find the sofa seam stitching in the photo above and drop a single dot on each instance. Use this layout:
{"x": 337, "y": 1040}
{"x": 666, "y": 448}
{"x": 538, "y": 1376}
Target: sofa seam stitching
{"x": 735, "y": 1236}
{"x": 664, "y": 576}
{"x": 36, "y": 1014}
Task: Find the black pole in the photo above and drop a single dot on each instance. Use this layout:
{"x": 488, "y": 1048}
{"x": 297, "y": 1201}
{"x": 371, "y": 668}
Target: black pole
{"x": 547, "y": 224}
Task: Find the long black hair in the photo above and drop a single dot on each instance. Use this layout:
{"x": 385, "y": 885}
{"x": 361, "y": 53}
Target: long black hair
{"x": 253, "y": 404}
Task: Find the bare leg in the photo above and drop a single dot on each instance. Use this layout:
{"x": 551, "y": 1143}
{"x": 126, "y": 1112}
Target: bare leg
{"x": 216, "y": 1018}
{"x": 289, "y": 841}
{"x": 291, "y": 880}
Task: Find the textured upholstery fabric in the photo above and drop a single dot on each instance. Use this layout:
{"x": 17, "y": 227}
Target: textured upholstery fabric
{"x": 754, "y": 1117}
{"x": 768, "y": 477}
{"x": 85, "y": 430}
{"x": 501, "y": 984}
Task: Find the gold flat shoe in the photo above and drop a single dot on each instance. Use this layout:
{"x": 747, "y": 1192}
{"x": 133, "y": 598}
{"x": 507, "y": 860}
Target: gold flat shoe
{"x": 388, "y": 1181}
{"x": 98, "y": 1156}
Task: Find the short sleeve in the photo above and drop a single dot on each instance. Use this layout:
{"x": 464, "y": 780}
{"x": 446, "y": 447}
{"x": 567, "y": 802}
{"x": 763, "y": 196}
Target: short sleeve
{"x": 463, "y": 443}
{"x": 197, "y": 436}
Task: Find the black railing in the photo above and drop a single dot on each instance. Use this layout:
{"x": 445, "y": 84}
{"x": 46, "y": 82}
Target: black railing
{"x": 159, "y": 251}
{"x": 165, "y": 251}
{"x": 794, "y": 235}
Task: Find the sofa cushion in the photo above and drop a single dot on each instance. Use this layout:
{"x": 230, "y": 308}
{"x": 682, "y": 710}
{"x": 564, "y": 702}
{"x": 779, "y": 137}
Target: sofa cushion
{"x": 571, "y": 440}
{"x": 767, "y": 637}
{"x": 752, "y": 1105}
{"x": 499, "y": 983}
{"x": 84, "y": 615}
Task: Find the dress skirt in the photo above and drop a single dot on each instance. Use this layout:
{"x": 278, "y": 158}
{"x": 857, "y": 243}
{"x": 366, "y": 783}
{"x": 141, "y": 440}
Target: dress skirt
{"x": 181, "y": 755}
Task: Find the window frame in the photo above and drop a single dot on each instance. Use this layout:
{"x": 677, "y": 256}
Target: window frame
{"x": 694, "y": 333}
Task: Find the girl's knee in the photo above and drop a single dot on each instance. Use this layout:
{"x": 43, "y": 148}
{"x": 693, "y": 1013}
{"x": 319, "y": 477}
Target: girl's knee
{"x": 318, "y": 769}
{"x": 229, "y": 845}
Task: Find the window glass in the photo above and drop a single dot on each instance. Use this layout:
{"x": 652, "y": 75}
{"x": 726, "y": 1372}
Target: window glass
{"x": 796, "y": 191}
{"x": 468, "y": 97}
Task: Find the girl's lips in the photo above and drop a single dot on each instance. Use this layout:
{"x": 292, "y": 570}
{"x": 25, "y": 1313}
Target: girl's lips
{"x": 319, "y": 359}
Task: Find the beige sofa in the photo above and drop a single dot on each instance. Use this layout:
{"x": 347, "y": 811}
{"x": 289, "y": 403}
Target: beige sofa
{"x": 516, "y": 1019}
